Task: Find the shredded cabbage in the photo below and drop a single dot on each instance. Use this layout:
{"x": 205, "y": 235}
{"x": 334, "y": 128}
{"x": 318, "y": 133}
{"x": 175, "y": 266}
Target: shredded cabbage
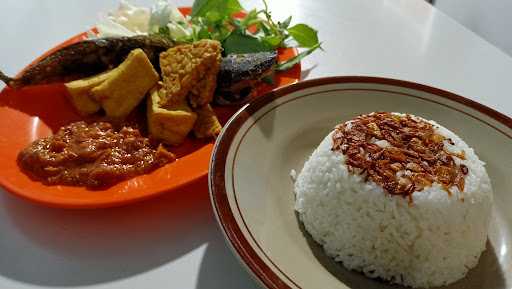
{"x": 130, "y": 20}
{"x": 127, "y": 20}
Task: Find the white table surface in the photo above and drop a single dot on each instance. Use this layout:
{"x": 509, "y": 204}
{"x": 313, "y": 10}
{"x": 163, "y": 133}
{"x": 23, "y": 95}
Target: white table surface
{"x": 174, "y": 241}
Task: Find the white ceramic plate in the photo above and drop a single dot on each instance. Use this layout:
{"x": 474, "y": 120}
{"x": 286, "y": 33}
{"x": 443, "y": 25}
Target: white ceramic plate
{"x": 251, "y": 188}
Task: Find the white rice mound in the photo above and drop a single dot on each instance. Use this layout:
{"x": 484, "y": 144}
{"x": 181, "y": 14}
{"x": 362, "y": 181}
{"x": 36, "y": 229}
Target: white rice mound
{"x": 434, "y": 242}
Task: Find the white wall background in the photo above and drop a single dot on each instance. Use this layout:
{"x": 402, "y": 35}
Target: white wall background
{"x": 491, "y": 19}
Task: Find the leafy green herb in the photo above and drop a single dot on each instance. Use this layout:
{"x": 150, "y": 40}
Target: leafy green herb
{"x": 272, "y": 41}
{"x": 204, "y": 34}
{"x": 237, "y": 43}
{"x": 296, "y": 59}
{"x": 304, "y": 35}
{"x": 256, "y": 32}
{"x": 223, "y": 7}
{"x": 265, "y": 29}
{"x": 163, "y": 31}
{"x": 250, "y": 19}
{"x": 213, "y": 16}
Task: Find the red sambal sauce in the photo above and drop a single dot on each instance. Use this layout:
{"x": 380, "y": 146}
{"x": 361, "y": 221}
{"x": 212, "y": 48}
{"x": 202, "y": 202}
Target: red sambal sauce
{"x": 91, "y": 155}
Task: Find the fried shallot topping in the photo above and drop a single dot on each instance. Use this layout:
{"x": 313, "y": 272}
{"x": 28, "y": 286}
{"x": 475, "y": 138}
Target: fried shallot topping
{"x": 401, "y": 153}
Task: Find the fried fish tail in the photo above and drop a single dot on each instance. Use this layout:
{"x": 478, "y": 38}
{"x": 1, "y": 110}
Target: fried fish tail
{"x": 9, "y": 81}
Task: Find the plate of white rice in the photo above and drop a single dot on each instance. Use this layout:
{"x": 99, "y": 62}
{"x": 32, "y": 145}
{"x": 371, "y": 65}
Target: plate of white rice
{"x": 365, "y": 182}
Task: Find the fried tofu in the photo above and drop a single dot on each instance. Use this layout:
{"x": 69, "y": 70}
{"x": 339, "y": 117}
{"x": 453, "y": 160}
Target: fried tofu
{"x": 189, "y": 79}
{"x": 190, "y": 72}
{"x": 207, "y": 125}
{"x": 123, "y": 90}
{"x": 79, "y": 93}
{"x": 170, "y": 125}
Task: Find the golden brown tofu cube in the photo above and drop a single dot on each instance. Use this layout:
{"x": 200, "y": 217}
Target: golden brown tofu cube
{"x": 127, "y": 85}
{"x": 79, "y": 93}
{"x": 169, "y": 126}
{"x": 207, "y": 124}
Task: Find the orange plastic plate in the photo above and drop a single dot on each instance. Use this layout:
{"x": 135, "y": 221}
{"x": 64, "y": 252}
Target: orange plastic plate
{"x": 36, "y": 112}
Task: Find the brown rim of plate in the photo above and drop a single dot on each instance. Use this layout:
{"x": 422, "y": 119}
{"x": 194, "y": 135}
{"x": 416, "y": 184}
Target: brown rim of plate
{"x": 216, "y": 181}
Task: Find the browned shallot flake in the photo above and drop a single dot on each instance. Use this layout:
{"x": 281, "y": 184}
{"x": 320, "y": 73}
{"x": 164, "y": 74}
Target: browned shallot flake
{"x": 414, "y": 158}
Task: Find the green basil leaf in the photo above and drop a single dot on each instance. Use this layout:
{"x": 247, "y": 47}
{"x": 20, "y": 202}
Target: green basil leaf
{"x": 304, "y": 35}
{"x": 164, "y": 31}
{"x": 213, "y": 16}
{"x": 296, "y": 59}
{"x": 204, "y": 33}
{"x": 265, "y": 29}
{"x": 237, "y": 43}
{"x": 273, "y": 41}
{"x": 220, "y": 34}
{"x": 250, "y": 17}
{"x": 223, "y": 7}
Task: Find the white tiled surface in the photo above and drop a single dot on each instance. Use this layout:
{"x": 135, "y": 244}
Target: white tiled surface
{"x": 174, "y": 242}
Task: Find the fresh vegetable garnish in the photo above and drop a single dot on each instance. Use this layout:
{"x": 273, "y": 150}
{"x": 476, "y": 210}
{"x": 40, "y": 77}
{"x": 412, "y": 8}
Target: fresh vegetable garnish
{"x": 283, "y": 66}
{"x": 214, "y": 19}
{"x": 256, "y": 32}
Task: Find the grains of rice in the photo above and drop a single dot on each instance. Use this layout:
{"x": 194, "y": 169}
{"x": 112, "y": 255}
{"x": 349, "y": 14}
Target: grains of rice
{"x": 432, "y": 241}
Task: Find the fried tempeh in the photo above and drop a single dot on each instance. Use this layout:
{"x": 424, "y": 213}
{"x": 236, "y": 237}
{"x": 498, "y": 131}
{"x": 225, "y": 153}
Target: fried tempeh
{"x": 207, "y": 125}
{"x": 190, "y": 71}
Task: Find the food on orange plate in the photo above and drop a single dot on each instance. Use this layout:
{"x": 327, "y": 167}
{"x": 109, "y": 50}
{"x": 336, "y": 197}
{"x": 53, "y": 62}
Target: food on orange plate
{"x": 95, "y": 155}
{"x": 189, "y": 75}
{"x": 207, "y": 124}
{"x": 126, "y": 86}
{"x": 117, "y": 91}
{"x": 190, "y": 71}
{"x": 80, "y": 93}
{"x": 164, "y": 57}
{"x": 87, "y": 57}
{"x": 169, "y": 126}
{"x": 92, "y": 155}
{"x": 240, "y": 73}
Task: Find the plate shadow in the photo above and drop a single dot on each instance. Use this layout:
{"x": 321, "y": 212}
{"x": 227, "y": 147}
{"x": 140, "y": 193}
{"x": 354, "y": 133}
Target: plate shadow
{"x": 221, "y": 270}
{"x": 58, "y": 247}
